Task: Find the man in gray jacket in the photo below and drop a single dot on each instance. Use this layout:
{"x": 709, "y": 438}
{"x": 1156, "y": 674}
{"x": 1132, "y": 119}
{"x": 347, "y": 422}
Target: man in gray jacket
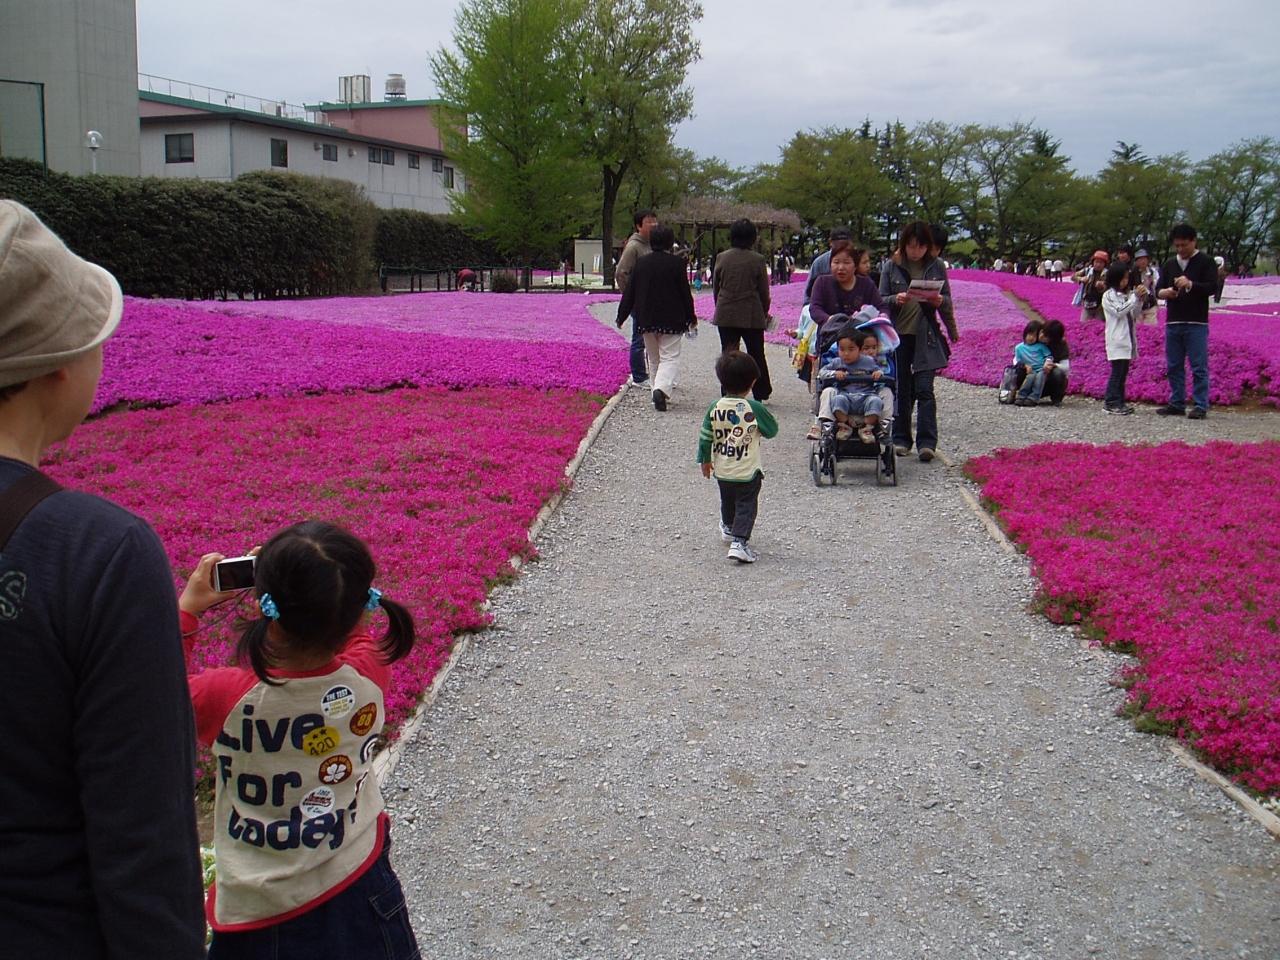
{"x": 636, "y": 247}
{"x": 822, "y": 263}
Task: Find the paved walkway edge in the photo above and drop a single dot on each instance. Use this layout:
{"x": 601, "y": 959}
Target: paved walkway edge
{"x": 1270, "y": 822}
{"x": 384, "y": 764}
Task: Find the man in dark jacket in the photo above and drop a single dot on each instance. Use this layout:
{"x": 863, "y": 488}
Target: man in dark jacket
{"x": 1187, "y": 281}
{"x": 99, "y": 858}
{"x": 637, "y": 246}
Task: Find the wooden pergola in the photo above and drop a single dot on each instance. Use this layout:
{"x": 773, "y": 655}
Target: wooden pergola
{"x": 702, "y": 224}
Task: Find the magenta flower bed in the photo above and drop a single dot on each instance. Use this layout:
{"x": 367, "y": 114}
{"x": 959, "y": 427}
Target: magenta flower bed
{"x": 1173, "y": 551}
{"x": 169, "y": 352}
{"x": 785, "y": 301}
{"x": 1244, "y": 351}
{"x": 442, "y": 484}
{"x": 1269, "y": 310}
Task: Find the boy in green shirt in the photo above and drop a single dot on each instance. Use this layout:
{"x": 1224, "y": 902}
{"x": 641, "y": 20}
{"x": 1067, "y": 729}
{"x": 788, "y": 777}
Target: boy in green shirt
{"x": 729, "y": 447}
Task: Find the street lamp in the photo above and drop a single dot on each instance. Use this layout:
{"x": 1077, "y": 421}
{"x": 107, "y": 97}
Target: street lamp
{"x": 93, "y": 140}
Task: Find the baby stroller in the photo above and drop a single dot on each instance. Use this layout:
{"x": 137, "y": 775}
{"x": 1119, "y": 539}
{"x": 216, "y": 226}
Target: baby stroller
{"x": 826, "y": 452}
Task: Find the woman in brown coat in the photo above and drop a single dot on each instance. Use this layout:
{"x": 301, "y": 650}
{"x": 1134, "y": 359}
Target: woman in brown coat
{"x": 740, "y": 287}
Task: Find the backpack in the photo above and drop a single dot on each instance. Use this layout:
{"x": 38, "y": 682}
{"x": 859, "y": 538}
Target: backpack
{"x": 1008, "y": 384}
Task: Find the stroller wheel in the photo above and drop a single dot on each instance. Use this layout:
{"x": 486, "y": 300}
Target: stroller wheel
{"x": 815, "y": 465}
{"x": 887, "y": 466}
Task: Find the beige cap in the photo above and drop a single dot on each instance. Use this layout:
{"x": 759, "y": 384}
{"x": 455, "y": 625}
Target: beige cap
{"x": 54, "y": 306}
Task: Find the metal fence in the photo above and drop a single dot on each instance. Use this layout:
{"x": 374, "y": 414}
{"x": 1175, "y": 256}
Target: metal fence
{"x": 226, "y": 98}
{"x": 22, "y": 127}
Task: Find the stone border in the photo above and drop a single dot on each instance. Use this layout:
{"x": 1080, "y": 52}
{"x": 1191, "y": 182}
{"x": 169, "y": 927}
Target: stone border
{"x": 384, "y": 764}
{"x": 1270, "y": 822}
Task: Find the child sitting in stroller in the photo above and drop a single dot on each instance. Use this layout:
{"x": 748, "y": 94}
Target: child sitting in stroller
{"x": 850, "y": 386}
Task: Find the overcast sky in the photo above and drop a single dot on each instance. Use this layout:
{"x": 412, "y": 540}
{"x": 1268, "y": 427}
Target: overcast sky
{"x": 1176, "y": 75}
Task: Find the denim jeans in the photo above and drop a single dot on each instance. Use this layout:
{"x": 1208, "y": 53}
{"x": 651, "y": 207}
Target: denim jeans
{"x": 1033, "y": 386}
{"x": 639, "y": 372}
{"x": 368, "y": 920}
{"x": 1114, "y": 396}
{"x": 1187, "y": 343}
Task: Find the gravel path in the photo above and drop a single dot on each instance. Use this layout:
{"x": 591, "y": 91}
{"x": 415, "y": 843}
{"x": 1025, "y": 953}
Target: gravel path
{"x": 861, "y": 746}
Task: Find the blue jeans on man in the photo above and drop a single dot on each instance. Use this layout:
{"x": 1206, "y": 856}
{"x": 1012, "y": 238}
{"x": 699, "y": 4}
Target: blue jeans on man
{"x": 1187, "y": 343}
{"x": 639, "y": 371}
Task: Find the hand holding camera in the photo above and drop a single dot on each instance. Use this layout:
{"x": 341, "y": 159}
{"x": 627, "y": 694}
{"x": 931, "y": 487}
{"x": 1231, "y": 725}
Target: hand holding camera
{"x": 214, "y": 579}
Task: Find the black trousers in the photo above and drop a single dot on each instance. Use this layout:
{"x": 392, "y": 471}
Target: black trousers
{"x": 753, "y": 340}
{"x": 914, "y": 390}
{"x": 738, "y": 504}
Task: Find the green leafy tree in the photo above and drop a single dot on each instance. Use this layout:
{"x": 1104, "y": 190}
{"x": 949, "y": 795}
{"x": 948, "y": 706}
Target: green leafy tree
{"x": 828, "y": 177}
{"x": 1133, "y": 200}
{"x": 1015, "y": 189}
{"x": 632, "y": 58}
{"x": 1235, "y": 199}
{"x": 511, "y": 79}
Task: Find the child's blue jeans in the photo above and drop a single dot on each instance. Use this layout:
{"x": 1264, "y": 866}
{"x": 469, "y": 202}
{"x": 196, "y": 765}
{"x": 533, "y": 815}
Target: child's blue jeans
{"x": 1033, "y": 386}
{"x": 367, "y": 920}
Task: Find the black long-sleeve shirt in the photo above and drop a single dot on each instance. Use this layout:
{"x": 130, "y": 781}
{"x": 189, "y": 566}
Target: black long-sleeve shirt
{"x": 98, "y": 850}
{"x": 1190, "y": 306}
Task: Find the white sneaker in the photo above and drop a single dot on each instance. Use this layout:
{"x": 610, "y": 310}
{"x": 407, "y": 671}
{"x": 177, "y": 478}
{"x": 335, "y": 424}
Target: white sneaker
{"x": 741, "y": 552}
{"x": 725, "y": 533}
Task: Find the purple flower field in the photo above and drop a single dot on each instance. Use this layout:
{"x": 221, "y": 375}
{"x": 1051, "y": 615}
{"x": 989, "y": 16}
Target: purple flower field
{"x": 1244, "y": 349}
{"x": 169, "y": 352}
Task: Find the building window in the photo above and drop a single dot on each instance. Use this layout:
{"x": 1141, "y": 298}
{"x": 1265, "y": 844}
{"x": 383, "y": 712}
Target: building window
{"x": 413, "y": 161}
{"x": 437, "y": 165}
{"x": 179, "y": 148}
{"x": 279, "y": 153}
{"x": 330, "y": 151}
{"x": 446, "y": 177}
{"x": 375, "y": 154}
{"x": 389, "y": 157}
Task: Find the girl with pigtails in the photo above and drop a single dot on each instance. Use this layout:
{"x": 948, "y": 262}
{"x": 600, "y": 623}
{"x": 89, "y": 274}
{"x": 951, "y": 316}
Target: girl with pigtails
{"x": 301, "y": 841}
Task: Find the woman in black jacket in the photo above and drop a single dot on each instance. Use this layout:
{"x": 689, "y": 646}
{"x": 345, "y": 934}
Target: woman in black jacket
{"x": 658, "y": 296}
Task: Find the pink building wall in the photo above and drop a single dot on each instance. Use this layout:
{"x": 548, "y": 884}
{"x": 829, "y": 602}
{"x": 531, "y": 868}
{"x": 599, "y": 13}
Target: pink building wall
{"x": 405, "y": 124}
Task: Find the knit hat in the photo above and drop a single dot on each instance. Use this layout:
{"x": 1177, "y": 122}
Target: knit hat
{"x": 54, "y": 306}
{"x": 1101, "y": 255}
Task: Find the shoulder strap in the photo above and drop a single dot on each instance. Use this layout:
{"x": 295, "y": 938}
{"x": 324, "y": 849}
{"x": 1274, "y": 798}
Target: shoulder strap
{"x": 20, "y": 499}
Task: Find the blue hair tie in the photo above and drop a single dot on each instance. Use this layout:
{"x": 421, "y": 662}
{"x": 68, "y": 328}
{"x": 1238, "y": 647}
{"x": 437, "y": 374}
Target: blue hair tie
{"x": 268, "y": 607}
{"x": 375, "y": 597}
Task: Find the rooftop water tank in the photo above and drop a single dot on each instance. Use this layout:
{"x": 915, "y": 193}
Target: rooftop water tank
{"x": 395, "y": 87}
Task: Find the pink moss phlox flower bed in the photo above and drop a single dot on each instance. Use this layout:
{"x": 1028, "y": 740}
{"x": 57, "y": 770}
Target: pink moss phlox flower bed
{"x": 545, "y": 317}
{"x": 168, "y": 352}
{"x": 785, "y": 301}
{"x": 443, "y": 485}
{"x": 1244, "y": 351}
{"x": 1172, "y": 551}
{"x": 1270, "y": 311}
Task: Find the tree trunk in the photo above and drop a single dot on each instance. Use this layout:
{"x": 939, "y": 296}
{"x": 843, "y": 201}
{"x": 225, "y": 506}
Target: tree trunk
{"x": 610, "y": 183}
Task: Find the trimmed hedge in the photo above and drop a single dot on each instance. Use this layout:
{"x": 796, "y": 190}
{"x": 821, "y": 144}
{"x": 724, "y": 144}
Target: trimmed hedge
{"x": 266, "y": 234}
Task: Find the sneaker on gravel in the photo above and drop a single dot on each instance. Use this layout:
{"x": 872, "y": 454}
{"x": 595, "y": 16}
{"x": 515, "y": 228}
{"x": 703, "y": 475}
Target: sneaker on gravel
{"x": 738, "y": 550}
{"x": 926, "y": 454}
{"x": 1197, "y": 413}
{"x": 659, "y": 400}
{"x": 725, "y": 533}
{"x": 1169, "y": 410}
{"x": 901, "y": 451}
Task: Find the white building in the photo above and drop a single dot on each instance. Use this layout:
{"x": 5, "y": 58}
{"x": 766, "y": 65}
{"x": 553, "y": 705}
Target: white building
{"x": 183, "y": 137}
{"x": 71, "y": 67}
